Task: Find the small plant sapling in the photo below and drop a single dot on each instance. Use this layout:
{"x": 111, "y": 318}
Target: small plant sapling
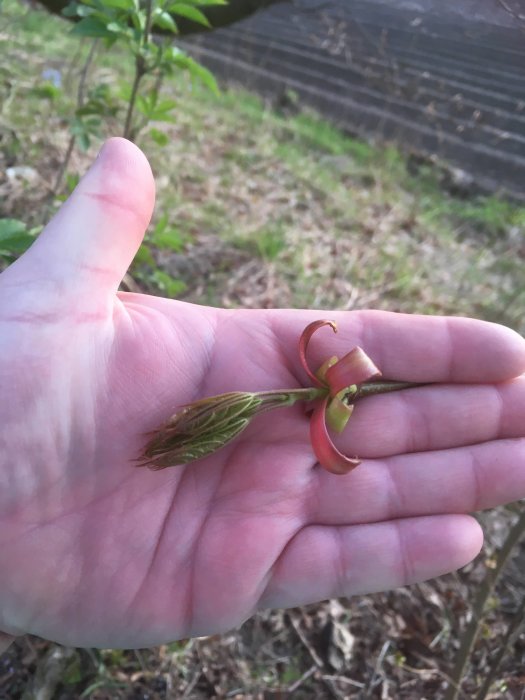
{"x": 132, "y": 24}
{"x": 205, "y": 426}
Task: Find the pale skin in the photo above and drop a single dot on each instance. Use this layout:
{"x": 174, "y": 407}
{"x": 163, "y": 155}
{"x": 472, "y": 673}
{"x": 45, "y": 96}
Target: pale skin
{"x": 95, "y": 551}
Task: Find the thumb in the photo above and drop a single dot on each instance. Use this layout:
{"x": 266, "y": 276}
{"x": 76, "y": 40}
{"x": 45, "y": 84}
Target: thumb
{"x": 89, "y": 244}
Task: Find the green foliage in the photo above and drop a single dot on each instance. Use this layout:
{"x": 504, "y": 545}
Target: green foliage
{"x": 163, "y": 236}
{"x": 46, "y": 90}
{"x": 166, "y": 236}
{"x": 73, "y": 672}
{"x": 171, "y": 286}
{"x": 71, "y": 181}
{"x": 100, "y": 101}
{"x": 126, "y": 26}
{"x": 492, "y": 213}
{"x": 159, "y": 137}
{"x": 83, "y": 128}
{"x": 15, "y": 239}
{"x": 144, "y": 256}
{"x": 190, "y": 12}
{"x": 320, "y": 134}
{"x": 155, "y": 109}
{"x": 271, "y": 241}
{"x": 131, "y": 24}
{"x": 88, "y": 119}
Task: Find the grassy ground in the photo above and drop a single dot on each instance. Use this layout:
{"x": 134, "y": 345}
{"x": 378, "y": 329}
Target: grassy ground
{"x": 261, "y": 209}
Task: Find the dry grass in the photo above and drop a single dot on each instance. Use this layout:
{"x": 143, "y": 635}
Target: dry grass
{"x": 298, "y": 226}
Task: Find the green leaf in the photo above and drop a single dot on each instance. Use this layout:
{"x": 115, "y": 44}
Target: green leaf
{"x": 202, "y": 74}
{"x": 83, "y": 129}
{"x": 92, "y": 26}
{"x": 139, "y": 22}
{"x": 170, "y": 240}
{"x": 198, "y": 3}
{"x": 144, "y": 256}
{"x": 100, "y": 101}
{"x": 169, "y": 285}
{"x": 172, "y": 53}
{"x": 72, "y": 180}
{"x": 70, "y": 10}
{"x": 11, "y": 227}
{"x": 119, "y": 28}
{"x": 190, "y": 13}
{"x": 164, "y": 20}
{"x": 15, "y": 238}
{"x": 202, "y": 3}
{"x": 337, "y": 414}
{"x": 84, "y": 141}
{"x": 145, "y": 104}
{"x": 166, "y": 236}
{"x": 150, "y": 107}
{"x": 159, "y": 137}
{"x": 162, "y": 110}
{"x": 73, "y": 672}
{"x": 120, "y": 4}
{"x": 46, "y": 91}
{"x": 76, "y": 9}
{"x": 84, "y": 11}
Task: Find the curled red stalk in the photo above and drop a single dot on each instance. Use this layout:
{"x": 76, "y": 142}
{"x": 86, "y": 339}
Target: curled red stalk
{"x": 324, "y": 449}
{"x": 303, "y": 346}
{"x": 341, "y": 378}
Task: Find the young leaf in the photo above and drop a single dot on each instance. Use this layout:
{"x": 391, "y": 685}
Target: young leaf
{"x": 120, "y": 4}
{"x": 145, "y": 104}
{"x": 164, "y": 20}
{"x": 203, "y": 3}
{"x": 162, "y": 110}
{"x": 144, "y": 256}
{"x": 168, "y": 237}
{"x": 70, "y": 10}
{"x": 169, "y": 285}
{"x": 199, "y": 72}
{"x": 159, "y": 137}
{"x": 93, "y": 27}
{"x": 119, "y": 28}
{"x": 190, "y": 13}
{"x": 15, "y": 238}
{"x": 78, "y": 9}
{"x": 83, "y": 128}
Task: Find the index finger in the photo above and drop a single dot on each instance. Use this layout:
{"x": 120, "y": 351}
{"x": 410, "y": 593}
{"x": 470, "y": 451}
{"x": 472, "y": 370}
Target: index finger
{"x": 409, "y": 347}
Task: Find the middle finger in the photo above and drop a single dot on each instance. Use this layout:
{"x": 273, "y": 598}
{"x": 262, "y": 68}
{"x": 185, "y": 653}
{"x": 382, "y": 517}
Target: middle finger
{"x": 434, "y": 418}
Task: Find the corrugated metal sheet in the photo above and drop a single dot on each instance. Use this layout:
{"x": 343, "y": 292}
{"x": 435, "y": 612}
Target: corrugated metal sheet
{"x": 433, "y": 80}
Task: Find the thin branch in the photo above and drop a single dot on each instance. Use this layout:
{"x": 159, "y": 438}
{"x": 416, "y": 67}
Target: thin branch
{"x": 306, "y": 675}
{"x": 377, "y": 667}
{"x": 140, "y": 71}
{"x": 145, "y": 121}
{"x": 80, "y": 102}
{"x": 314, "y": 656}
{"x": 470, "y": 635}
{"x": 511, "y": 634}
{"x": 139, "y": 74}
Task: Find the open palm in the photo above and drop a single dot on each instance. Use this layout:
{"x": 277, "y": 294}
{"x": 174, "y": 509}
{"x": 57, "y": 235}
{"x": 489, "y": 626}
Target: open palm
{"x": 95, "y": 551}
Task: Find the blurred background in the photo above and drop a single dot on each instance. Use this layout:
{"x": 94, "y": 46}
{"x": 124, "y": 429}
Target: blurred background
{"x": 325, "y": 154}
{"x": 443, "y": 79}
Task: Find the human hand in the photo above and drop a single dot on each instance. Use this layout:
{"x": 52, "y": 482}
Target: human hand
{"x": 97, "y": 552}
